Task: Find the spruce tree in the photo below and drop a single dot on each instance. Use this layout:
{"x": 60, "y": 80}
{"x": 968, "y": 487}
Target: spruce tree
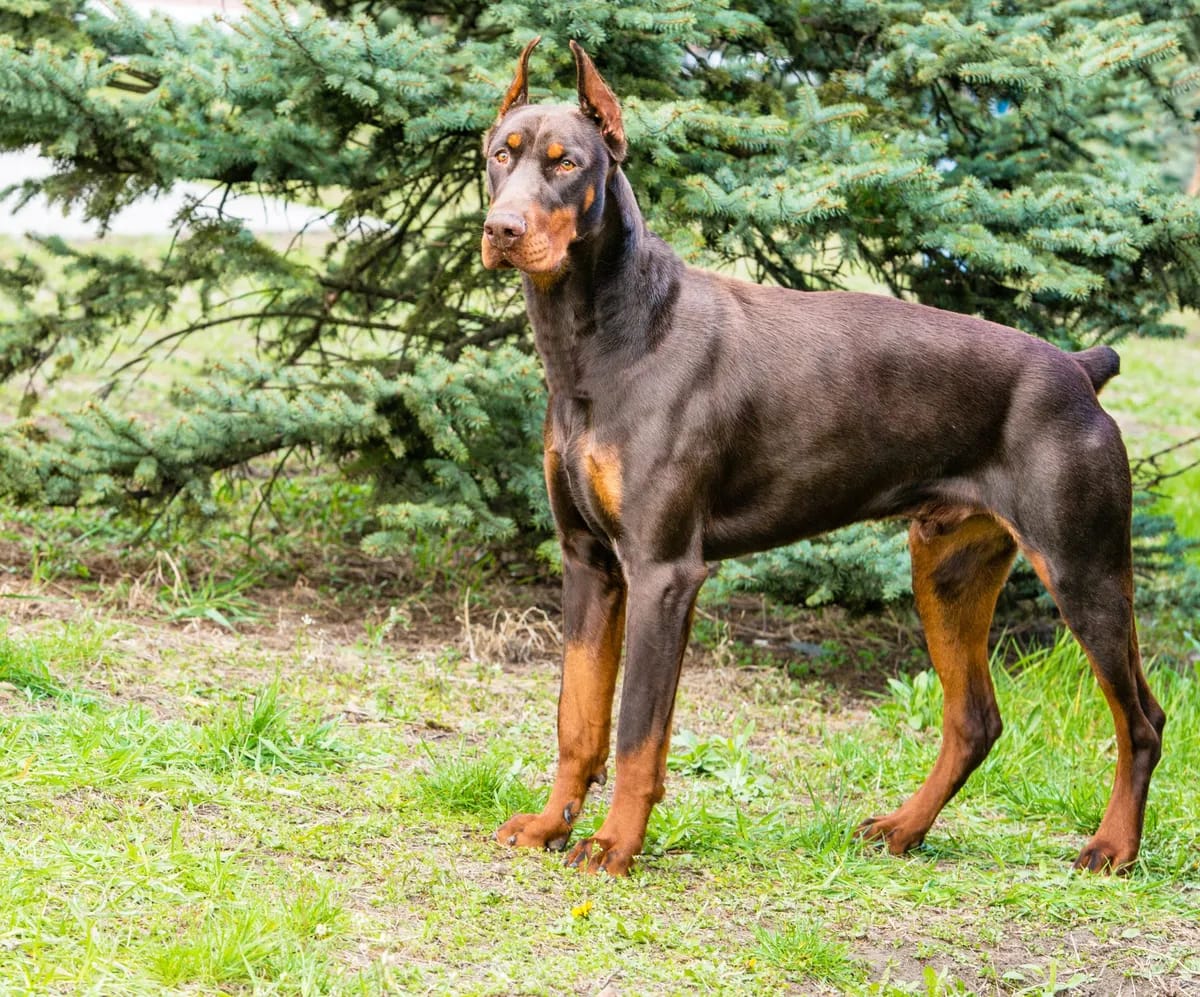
{"x": 1000, "y": 158}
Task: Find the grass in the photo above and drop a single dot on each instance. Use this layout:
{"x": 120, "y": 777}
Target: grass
{"x": 264, "y": 738}
{"x": 182, "y": 810}
{"x": 805, "y": 952}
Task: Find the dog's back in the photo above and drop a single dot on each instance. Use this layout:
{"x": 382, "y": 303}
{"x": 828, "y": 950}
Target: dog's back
{"x": 855, "y": 406}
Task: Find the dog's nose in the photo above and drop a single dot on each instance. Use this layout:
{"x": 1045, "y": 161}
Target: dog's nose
{"x": 503, "y": 228}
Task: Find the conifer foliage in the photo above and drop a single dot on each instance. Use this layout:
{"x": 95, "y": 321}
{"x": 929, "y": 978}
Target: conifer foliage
{"x": 1003, "y": 158}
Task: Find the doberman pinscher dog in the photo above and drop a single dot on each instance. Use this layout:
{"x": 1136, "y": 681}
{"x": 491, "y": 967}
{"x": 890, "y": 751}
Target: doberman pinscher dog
{"x": 694, "y": 417}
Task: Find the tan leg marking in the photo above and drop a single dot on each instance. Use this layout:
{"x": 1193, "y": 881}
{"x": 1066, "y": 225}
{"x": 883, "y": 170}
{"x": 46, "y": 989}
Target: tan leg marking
{"x": 957, "y": 577}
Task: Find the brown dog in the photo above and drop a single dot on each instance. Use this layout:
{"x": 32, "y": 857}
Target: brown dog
{"x": 694, "y": 417}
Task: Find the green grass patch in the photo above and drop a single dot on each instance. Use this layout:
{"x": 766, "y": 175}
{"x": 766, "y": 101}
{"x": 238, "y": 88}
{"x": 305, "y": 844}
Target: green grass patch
{"x": 24, "y": 666}
{"x": 223, "y": 601}
{"x": 256, "y": 946}
{"x": 807, "y": 952}
{"x": 266, "y": 736}
{"x": 226, "y": 836}
{"x": 484, "y": 787}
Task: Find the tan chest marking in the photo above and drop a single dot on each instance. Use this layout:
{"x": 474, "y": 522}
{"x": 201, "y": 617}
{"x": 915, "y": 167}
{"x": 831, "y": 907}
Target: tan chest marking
{"x": 602, "y": 465}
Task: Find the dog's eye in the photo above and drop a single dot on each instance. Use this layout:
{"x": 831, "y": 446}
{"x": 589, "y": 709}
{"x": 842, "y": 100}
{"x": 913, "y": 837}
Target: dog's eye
{"x": 502, "y": 156}
{"x": 566, "y": 165}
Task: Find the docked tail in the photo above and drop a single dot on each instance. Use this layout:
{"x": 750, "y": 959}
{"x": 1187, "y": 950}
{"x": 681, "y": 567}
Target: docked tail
{"x": 1100, "y": 363}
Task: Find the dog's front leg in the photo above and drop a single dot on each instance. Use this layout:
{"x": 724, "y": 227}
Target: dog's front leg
{"x": 593, "y": 627}
{"x": 661, "y": 598}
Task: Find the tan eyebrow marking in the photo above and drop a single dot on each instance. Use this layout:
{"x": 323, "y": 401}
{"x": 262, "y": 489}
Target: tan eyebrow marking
{"x": 514, "y": 140}
{"x": 554, "y": 150}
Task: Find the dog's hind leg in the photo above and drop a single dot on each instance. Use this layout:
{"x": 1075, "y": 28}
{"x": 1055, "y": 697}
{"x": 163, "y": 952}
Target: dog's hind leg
{"x": 1074, "y": 528}
{"x": 1095, "y": 596}
{"x": 958, "y": 569}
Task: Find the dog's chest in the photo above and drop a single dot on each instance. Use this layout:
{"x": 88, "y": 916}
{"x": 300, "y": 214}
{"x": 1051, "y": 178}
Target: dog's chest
{"x": 593, "y": 473}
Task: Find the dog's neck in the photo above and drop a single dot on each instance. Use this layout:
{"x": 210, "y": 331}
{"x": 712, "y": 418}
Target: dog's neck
{"x": 615, "y": 295}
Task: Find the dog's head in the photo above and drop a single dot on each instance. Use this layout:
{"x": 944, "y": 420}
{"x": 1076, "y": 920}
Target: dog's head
{"x": 547, "y": 170}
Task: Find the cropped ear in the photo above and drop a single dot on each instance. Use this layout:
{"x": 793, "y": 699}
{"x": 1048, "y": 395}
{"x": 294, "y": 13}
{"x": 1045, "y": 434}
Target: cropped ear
{"x": 598, "y": 102}
{"x": 518, "y": 90}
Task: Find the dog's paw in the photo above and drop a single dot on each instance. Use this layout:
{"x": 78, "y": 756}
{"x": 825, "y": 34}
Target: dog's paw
{"x": 550, "y": 831}
{"x": 891, "y": 831}
{"x": 1105, "y": 857}
{"x": 599, "y": 855}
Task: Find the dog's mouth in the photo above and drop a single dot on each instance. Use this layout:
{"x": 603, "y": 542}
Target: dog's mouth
{"x": 539, "y": 266}
{"x": 494, "y": 258}
{"x": 515, "y": 258}
{"x": 542, "y": 250}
